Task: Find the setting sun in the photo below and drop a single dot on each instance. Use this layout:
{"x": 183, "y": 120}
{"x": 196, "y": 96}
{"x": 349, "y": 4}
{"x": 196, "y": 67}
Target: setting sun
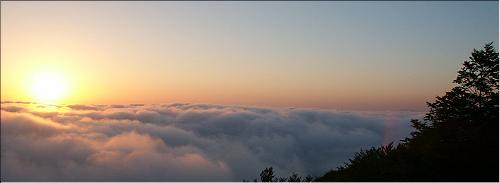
{"x": 48, "y": 87}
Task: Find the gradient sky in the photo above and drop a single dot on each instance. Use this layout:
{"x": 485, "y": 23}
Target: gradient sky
{"x": 341, "y": 55}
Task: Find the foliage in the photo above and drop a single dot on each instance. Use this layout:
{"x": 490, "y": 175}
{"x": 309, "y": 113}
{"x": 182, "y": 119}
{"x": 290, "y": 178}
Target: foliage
{"x": 267, "y": 175}
{"x": 456, "y": 141}
{"x": 295, "y": 178}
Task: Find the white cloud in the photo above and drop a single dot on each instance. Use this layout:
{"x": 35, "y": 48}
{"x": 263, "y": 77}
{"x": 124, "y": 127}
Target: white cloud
{"x": 183, "y": 142}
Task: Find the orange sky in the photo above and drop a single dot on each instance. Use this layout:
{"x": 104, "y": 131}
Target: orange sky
{"x": 300, "y": 55}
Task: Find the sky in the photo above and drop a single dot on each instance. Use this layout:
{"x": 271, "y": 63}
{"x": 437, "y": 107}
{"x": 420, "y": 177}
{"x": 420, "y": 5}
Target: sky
{"x": 329, "y": 55}
{"x": 218, "y": 91}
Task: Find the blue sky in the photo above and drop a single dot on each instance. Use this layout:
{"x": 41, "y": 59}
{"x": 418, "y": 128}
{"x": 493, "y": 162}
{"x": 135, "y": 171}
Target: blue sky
{"x": 348, "y": 55}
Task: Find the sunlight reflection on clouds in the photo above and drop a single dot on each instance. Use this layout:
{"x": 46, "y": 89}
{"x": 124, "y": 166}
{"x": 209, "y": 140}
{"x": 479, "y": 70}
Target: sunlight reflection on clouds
{"x": 184, "y": 142}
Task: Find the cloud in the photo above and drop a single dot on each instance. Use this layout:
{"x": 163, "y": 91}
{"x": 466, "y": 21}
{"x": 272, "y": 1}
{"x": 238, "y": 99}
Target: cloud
{"x": 183, "y": 142}
{"x": 83, "y": 107}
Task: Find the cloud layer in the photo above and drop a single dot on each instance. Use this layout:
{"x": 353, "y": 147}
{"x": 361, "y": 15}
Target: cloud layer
{"x": 183, "y": 142}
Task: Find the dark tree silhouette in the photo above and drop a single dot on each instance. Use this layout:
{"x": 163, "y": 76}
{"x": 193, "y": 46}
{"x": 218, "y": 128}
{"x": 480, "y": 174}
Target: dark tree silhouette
{"x": 267, "y": 175}
{"x": 281, "y": 179}
{"x": 456, "y": 141}
{"x": 295, "y": 178}
{"x": 308, "y": 178}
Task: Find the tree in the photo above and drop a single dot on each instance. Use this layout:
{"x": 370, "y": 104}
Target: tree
{"x": 456, "y": 141}
{"x": 295, "y": 178}
{"x": 479, "y": 75}
{"x": 309, "y": 178}
{"x": 461, "y": 129}
{"x": 267, "y": 175}
{"x": 281, "y": 179}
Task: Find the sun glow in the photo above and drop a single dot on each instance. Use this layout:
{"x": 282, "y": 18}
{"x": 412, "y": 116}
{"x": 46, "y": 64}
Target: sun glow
{"x": 48, "y": 87}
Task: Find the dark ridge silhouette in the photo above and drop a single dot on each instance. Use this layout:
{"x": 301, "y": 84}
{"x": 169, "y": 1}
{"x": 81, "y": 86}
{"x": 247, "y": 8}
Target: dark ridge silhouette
{"x": 458, "y": 139}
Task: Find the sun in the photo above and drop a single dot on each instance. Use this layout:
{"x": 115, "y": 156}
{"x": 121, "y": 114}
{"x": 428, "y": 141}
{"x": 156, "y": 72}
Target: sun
{"x": 48, "y": 87}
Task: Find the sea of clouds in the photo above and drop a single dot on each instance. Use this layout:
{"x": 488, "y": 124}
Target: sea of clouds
{"x": 184, "y": 142}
